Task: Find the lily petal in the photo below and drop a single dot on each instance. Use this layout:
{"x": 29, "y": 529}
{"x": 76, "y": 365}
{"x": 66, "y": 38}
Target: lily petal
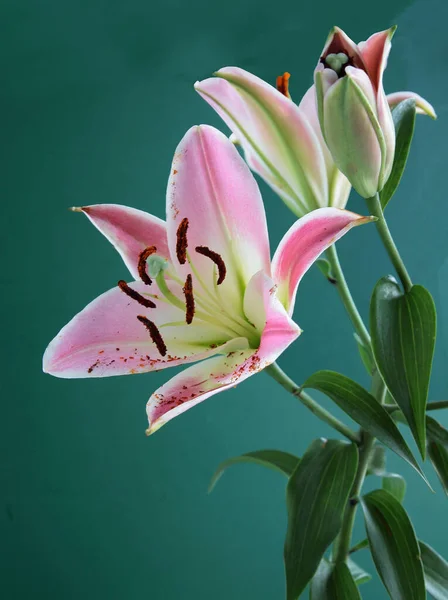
{"x": 196, "y": 384}
{"x": 267, "y": 313}
{"x": 279, "y": 143}
{"x": 375, "y": 52}
{"x": 423, "y": 106}
{"x": 130, "y": 230}
{"x": 199, "y": 382}
{"x": 302, "y": 245}
{"x": 106, "y": 338}
{"x": 213, "y": 188}
{"x": 338, "y": 185}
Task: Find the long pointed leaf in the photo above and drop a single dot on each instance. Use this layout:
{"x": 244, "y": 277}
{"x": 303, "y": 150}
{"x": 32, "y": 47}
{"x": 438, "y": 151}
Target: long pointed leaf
{"x": 334, "y": 582}
{"x": 436, "y": 572}
{"x": 363, "y": 408}
{"x": 439, "y": 458}
{"x": 316, "y": 498}
{"x": 403, "y": 328}
{"x": 273, "y": 459}
{"x": 404, "y": 120}
{"x": 394, "y": 546}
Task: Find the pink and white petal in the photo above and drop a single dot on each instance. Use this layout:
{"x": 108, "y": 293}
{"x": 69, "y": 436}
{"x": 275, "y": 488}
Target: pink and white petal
{"x": 266, "y": 312}
{"x": 196, "y": 384}
{"x": 338, "y": 41}
{"x": 106, "y": 338}
{"x": 130, "y": 230}
{"x": 199, "y": 382}
{"x": 423, "y": 106}
{"x": 303, "y": 244}
{"x": 211, "y": 186}
{"x": 278, "y": 141}
{"x": 375, "y": 52}
{"x": 339, "y": 185}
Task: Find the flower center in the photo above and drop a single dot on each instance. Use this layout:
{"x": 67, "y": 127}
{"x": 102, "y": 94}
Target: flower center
{"x": 201, "y": 302}
{"x": 336, "y": 61}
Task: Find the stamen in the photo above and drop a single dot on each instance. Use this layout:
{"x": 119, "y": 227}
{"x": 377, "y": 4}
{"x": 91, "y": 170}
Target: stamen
{"x": 142, "y": 264}
{"x": 181, "y": 244}
{"x": 154, "y": 333}
{"x": 189, "y": 299}
{"x": 337, "y": 61}
{"x": 217, "y": 259}
{"x": 283, "y": 84}
{"x": 135, "y": 295}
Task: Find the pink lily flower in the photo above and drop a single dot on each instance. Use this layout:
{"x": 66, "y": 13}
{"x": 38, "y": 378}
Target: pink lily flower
{"x": 354, "y": 111}
{"x": 205, "y": 287}
{"x": 282, "y": 142}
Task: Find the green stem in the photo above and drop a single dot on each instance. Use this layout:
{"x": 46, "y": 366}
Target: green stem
{"x": 374, "y": 205}
{"x": 342, "y": 548}
{"x": 346, "y": 297}
{"x": 441, "y": 404}
{"x": 280, "y": 376}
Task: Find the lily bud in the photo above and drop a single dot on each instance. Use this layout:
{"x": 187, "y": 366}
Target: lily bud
{"x": 354, "y": 112}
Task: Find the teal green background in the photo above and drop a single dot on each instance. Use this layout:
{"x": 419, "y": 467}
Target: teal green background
{"x": 95, "y": 96}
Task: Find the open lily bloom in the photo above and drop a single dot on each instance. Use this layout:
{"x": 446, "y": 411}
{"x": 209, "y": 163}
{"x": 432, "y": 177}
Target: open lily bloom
{"x": 282, "y": 142}
{"x": 205, "y": 286}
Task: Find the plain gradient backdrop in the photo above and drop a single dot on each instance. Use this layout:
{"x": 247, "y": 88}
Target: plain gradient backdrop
{"x": 95, "y": 95}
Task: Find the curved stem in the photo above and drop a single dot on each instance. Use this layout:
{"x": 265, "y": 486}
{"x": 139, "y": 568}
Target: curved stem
{"x": 374, "y": 205}
{"x": 346, "y": 297}
{"x": 280, "y": 376}
{"x": 343, "y": 543}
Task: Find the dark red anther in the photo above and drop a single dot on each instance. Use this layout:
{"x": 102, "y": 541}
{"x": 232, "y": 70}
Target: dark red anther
{"x": 154, "y": 333}
{"x": 217, "y": 259}
{"x": 142, "y": 266}
{"x": 181, "y": 243}
{"x": 189, "y": 299}
{"x": 146, "y": 302}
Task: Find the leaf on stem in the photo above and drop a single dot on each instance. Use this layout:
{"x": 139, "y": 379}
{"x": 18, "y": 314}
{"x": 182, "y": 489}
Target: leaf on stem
{"x": 273, "y": 459}
{"x": 333, "y": 582}
{"x": 363, "y": 408}
{"x": 365, "y": 353}
{"x": 403, "y": 329}
{"x": 436, "y": 572}
{"x": 395, "y": 484}
{"x": 394, "y": 546}
{"x": 404, "y": 120}
{"x": 316, "y": 498}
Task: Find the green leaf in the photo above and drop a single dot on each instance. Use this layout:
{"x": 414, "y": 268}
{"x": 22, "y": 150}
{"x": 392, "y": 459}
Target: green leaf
{"x": 377, "y": 461}
{"x": 359, "y": 575}
{"x": 436, "y": 572}
{"x": 395, "y": 485}
{"x": 404, "y": 120}
{"x": 403, "y": 329}
{"x": 359, "y": 546}
{"x": 438, "y": 454}
{"x": 394, "y": 546}
{"x": 316, "y": 497}
{"x": 333, "y": 582}
{"x": 325, "y": 268}
{"x": 436, "y": 432}
{"x": 365, "y": 354}
{"x": 273, "y": 459}
{"x": 363, "y": 408}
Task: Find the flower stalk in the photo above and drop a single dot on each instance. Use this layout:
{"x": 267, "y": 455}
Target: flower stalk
{"x": 321, "y": 413}
{"x": 374, "y": 206}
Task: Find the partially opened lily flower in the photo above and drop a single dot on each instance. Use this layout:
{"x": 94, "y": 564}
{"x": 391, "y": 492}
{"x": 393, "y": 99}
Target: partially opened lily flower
{"x": 282, "y": 142}
{"x": 205, "y": 286}
{"x": 354, "y": 111}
